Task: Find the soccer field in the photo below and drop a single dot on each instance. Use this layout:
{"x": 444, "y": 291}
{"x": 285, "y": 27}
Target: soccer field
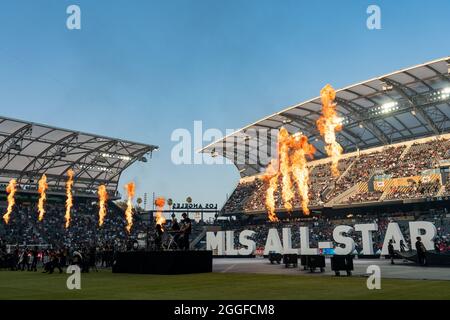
{"x": 106, "y": 285}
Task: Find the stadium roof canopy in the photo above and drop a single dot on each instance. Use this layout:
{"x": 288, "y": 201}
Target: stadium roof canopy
{"x": 28, "y": 150}
{"x": 396, "y": 107}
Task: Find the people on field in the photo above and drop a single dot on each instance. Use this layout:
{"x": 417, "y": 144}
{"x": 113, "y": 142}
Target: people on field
{"x": 421, "y": 251}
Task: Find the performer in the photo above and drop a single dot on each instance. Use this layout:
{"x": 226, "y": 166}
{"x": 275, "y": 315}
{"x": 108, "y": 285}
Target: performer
{"x": 420, "y": 248}
{"x": 391, "y": 250}
{"x": 177, "y": 230}
{"x": 186, "y": 230}
{"x": 35, "y": 257}
{"x": 158, "y": 236}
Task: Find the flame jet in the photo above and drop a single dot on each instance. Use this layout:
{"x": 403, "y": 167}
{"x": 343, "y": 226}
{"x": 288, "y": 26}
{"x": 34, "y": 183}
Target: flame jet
{"x": 301, "y": 149}
{"x": 42, "y": 188}
{"x": 102, "y": 198}
{"x": 285, "y": 168}
{"x": 130, "y": 188}
{"x": 160, "y": 219}
{"x": 11, "y": 190}
{"x": 328, "y": 124}
{"x": 271, "y": 177}
{"x": 69, "y": 197}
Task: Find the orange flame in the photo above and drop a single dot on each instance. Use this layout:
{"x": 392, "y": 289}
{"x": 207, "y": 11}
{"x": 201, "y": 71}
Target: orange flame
{"x": 130, "y": 187}
{"x": 299, "y": 169}
{"x": 160, "y": 219}
{"x": 11, "y": 190}
{"x": 43, "y": 186}
{"x": 283, "y": 149}
{"x": 328, "y": 124}
{"x": 102, "y": 197}
{"x": 271, "y": 176}
{"x": 69, "y": 198}
{"x": 293, "y": 150}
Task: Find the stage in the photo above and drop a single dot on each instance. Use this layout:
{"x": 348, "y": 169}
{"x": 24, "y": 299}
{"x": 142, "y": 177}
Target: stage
{"x": 163, "y": 262}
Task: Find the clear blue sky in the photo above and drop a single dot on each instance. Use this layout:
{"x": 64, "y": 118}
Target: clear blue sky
{"x": 140, "y": 69}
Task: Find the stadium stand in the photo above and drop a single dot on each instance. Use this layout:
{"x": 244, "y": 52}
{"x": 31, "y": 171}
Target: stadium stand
{"x": 407, "y": 168}
{"x": 25, "y": 229}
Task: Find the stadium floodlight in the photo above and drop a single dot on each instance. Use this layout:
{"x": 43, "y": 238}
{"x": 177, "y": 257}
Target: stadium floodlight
{"x": 116, "y": 156}
{"x": 97, "y": 168}
{"x": 389, "y": 107}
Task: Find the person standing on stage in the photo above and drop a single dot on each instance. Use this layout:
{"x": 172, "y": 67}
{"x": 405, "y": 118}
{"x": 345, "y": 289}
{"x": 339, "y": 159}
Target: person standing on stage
{"x": 186, "y": 230}
{"x": 176, "y": 229}
{"x": 420, "y": 248}
{"x": 158, "y": 236}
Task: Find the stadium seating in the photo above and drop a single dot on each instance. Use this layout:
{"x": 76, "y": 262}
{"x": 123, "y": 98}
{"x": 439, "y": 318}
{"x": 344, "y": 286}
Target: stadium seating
{"x": 24, "y": 227}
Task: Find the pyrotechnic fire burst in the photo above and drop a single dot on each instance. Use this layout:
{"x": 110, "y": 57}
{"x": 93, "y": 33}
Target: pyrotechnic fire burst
{"x": 42, "y": 188}
{"x": 328, "y": 124}
{"x": 301, "y": 149}
{"x": 69, "y": 198}
{"x": 130, "y": 188}
{"x": 11, "y": 190}
{"x": 285, "y": 168}
{"x": 271, "y": 177}
{"x": 293, "y": 150}
{"x": 102, "y": 198}
{"x": 160, "y": 219}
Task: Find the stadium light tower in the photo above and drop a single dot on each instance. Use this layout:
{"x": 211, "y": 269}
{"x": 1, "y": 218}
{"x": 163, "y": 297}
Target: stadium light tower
{"x": 389, "y": 106}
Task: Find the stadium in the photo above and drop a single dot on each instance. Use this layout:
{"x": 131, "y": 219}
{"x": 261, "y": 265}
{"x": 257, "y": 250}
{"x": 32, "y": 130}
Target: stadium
{"x": 394, "y": 168}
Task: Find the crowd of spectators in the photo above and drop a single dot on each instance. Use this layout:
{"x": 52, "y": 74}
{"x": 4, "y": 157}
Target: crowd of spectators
{"x": 25, "y": 229}
{"x": 48, "y": 259}
{"x": 447, "y": 188}
{"x": 420, "y": 156}
{"x": 239, "y": 199}
{"x": 415, "y": 190}
{"x": 365, "y": 196}
{"x": 365, "y": 166}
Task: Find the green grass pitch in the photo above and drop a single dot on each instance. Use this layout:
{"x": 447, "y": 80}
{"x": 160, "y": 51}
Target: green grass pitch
{"x": 220, "y": 286}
